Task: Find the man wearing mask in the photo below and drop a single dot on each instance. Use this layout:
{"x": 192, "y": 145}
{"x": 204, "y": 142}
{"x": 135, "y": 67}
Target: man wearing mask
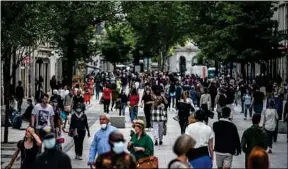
{"x": 100, "y": 142}
{"x": 52, "y": 157}
{"x": 116, "y": 157}
{"x": 78, "y": 99}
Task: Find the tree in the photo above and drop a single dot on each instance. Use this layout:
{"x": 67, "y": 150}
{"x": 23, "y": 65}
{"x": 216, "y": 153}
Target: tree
{"x": 118, "y": 43}
{"x": 159, "y": 25}
{"x": 72, "y": 28}
{"x": 236, "y": 31}
{"x": 23, "y": 25}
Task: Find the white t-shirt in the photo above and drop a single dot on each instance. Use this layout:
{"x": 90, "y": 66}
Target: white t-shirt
{"x": 43, "y": 115}
{"x": 201, "y": 133}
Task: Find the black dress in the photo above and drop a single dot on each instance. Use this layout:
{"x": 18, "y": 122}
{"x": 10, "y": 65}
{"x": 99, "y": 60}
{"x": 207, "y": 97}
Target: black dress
{"x": 28, "y": 156}
{"x": 147, "y": 109}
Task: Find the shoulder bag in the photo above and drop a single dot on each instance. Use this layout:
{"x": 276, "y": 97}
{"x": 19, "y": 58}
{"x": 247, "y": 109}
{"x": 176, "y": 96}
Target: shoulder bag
{"x": 148, "y": 162}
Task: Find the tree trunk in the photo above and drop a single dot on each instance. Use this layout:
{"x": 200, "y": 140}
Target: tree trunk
{"x": 14, "y": 68}
{"x": 243, "y": 72}
{"x": 6, "y": 69}
{"x": 70, "y": 60}
{"x": 114, "y": 67}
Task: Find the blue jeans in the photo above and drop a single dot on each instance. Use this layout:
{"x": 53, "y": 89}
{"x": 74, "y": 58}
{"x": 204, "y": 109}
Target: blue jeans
{"x": 258, "y": 108}
{"x": 123, "y": 108}
{"x": 247, "y": 107}
{"x": 202, "y": 162}
{"x": 133, "y": 113}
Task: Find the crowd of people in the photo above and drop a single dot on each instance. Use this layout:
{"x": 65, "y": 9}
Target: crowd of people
{"x": 194, "y": 100}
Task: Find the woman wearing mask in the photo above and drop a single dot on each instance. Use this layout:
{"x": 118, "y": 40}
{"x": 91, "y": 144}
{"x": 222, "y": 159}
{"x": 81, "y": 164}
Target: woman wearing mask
{"x": 124, "y": 100}
{"x": 57, "y": 124}
{"x": 158, "y": 116}
{"x": 78, "y": 126}
{"x": 133, "y": 104}
{"x": 141, "y": 144}
{"x": 247, "y": 104}
{"x": 29, "y": 148}
{"x": 147, "y": 101}
{"x": 184, "y": 109}
{"x": 269, "y": 123}
{"x": 182, "y": 145}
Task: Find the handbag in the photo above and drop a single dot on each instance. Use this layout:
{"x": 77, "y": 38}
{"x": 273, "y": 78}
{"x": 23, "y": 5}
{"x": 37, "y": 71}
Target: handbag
{"x": 282, "y": 127}
{"x": 73, "y": 133}
{"x": 101, "y": 100}
{"x": 164, "y": 129}
{"x": 148, "y": 162}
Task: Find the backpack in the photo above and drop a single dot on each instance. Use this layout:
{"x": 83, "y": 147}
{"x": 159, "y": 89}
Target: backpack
{"x": 222, "y": 100}
{"x": 173, "y": 161}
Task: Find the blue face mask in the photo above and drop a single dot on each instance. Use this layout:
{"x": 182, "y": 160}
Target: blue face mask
{"x": 78, "y": 110}
{"x": 49, "y": 143}
{"x": 118, "y": 147}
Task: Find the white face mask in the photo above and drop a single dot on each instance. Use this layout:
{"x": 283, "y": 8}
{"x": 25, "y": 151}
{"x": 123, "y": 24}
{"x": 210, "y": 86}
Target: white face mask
{"x": 49, "y": 143}
{"x": 103, "y": 126}
{"x": 119, "y": 147}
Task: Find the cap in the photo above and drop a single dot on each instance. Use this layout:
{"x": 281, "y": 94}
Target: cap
{"x": 139, "y": 123}
{"x": 48, "y": 132}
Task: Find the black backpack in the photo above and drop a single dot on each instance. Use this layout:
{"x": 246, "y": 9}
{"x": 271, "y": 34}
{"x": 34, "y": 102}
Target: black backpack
{"x": 171, "y": 162}
{"x": 222, "y": 100}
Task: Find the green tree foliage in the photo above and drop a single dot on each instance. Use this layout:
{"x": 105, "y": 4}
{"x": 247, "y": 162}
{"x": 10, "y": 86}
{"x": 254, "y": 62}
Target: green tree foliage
{"x": 73, "y": 28}
{"x": 236, "y": 31}
{"x": 23, "y": 24}
{"x": 118, "y": 43}
{"x": 159, "y": 25}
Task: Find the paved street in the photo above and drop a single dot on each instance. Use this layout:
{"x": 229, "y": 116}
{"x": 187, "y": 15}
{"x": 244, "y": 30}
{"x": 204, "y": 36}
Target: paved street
{"x": 164, "y": 153}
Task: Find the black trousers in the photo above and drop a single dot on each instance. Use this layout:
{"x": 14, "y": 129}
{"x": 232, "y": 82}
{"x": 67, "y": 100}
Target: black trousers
{"x": 147, "y": 112}
{"x": 269, "y": 137}
{"x": 78, "y": 141}
{"x": 171, "y": 99}
{"x": 177, "y": 102}
{"x": 106, "y": 104}
{"x": 183, "y": 122}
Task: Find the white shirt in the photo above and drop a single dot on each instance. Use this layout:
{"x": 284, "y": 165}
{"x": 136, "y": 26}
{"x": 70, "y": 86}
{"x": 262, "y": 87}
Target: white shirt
{"x": 201, "y": 133}
{"x": 270, "y": 117}
{"x": 42, "y": 115}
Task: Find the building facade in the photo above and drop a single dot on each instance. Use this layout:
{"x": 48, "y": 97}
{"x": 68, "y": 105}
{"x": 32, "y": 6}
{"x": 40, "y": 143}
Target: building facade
{"x": 42, "y": 61}
{"x": 183, "y": 56}
{"x": 281, "y": 15}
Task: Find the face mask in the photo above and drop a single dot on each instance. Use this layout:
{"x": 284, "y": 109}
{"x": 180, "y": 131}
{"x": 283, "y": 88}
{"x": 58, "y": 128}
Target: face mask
{"x": 103, "y": 126}
{"x": 49, "y": 143}
{"x": 119, "y": 147}
{"x": 79, "y": 110}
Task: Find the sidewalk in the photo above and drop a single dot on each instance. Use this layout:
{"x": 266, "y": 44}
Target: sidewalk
{"x": 7, "y": 150}
{"x": 165, "y": 153}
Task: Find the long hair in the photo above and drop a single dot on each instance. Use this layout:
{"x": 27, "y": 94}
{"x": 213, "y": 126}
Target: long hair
{"x": 258, "y": 159}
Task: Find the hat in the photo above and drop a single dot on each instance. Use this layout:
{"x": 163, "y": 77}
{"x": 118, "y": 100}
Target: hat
{"x": 48, "y": 132}
{"x": 139, "y": 123}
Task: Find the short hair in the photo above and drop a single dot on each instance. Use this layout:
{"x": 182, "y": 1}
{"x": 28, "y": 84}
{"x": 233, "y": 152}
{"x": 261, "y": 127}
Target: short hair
{"x": 105, "y": 115}
{"x": 45, "y": 95}
{"x": 183, "y": 144}
{"x": 272, "y": 104}
{"x": 29, "y": 100}
{"x": 200, "y": 115}
{"x": 226, "y": 111}
{"x": 256, "y": 118}
{"x": 258, "y": 159}
{"x": 205, "y": 90}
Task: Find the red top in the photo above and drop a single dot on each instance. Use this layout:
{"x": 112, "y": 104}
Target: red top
{"x": 134, "y": 99}
{"x": 107, "y": 93}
